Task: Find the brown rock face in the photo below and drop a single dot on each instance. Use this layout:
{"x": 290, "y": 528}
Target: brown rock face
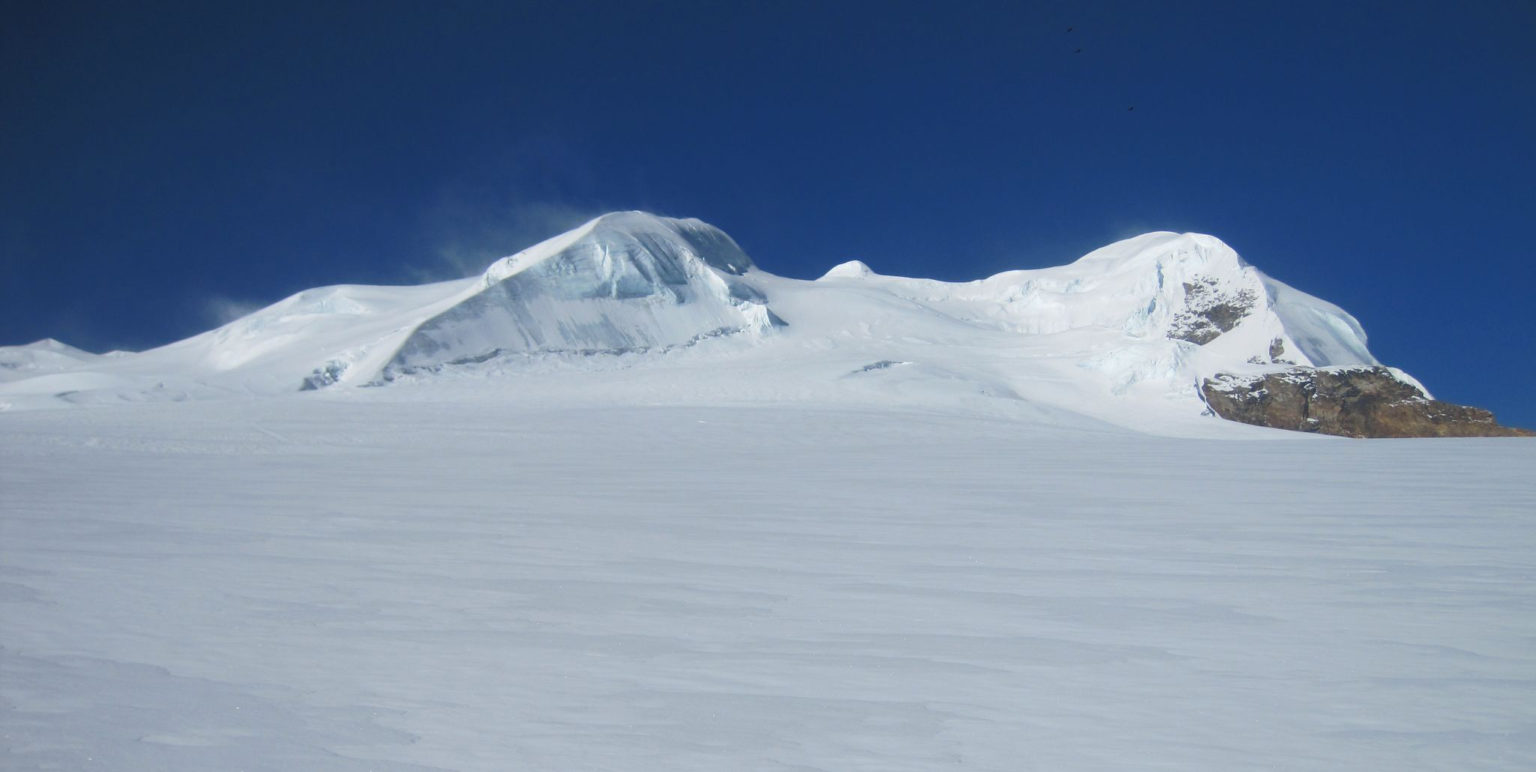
{"x": 1209, "y": 312}
{"x": 1349, "y": 402}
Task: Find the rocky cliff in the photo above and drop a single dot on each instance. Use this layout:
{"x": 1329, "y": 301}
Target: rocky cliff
{"x": 1346, "y": 401}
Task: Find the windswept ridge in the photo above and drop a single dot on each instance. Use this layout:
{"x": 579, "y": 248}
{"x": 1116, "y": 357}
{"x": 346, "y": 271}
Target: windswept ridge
{"x": 1128, "y": 334}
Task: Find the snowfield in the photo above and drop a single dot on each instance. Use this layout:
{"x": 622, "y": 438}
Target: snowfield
{"x": 473, "y": 575}
{"x": 628, "y": 502}
{"x": 1124, "y": 334}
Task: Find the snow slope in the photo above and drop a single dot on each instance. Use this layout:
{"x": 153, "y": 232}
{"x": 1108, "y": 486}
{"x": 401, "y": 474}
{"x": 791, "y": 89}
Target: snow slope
{"x": 439, "y": 578}
{"x": 40, "y": 357}
{"x": 1122, "y": 335}
{"x": 628, "y": 502}
{"x": 623, "y": 282}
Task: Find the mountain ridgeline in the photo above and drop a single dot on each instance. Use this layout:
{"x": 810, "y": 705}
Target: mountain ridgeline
{"x": 1160, "y": 333}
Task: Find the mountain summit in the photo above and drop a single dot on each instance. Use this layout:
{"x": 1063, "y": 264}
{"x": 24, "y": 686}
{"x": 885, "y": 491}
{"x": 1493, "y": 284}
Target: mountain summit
{"x": 624, "y": 282}
{"x": 1157, "y": 333}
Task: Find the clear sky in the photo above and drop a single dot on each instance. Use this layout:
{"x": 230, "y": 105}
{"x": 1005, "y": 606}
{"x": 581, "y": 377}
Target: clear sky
{"x": 166, "y": 165}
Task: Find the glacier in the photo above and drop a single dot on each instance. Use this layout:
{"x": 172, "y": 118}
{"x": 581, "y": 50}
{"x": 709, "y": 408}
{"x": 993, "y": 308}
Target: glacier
{"x": 627, "y": 501}
{"x": 448, "y": 579}
{"x": 1123, "y": 335}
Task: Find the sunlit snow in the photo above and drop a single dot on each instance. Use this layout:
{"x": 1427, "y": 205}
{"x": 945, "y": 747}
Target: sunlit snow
{"x": 627, "y": 501}
{"x": 423, "y": 578}
{"x": 1120, "y": 335}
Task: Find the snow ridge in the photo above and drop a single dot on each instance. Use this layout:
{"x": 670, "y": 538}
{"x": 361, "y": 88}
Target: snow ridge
{"x": 1123, "y": 334}
{"x": 623, "y": 282}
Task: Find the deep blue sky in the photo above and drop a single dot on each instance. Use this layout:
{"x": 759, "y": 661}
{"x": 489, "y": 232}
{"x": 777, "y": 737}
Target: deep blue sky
{"x": 165, "y": 164}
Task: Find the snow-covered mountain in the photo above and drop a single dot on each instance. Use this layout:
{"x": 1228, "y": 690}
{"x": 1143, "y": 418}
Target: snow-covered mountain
{"x": 628, "y": 502}
{"x": 1126, "y": 334}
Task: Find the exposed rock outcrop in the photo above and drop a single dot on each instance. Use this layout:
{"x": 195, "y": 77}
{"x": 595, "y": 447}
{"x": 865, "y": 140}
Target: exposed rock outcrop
{"x": 1349, "y": 402}
{"x": 1209, "y": 311}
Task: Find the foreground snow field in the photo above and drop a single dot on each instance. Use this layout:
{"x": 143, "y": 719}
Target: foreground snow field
{"x": 411, "y": 579}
